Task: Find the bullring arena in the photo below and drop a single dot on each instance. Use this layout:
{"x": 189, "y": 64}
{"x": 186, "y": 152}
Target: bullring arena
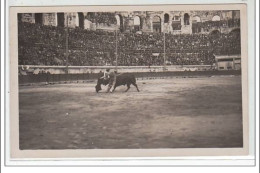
{"x": 173, "y": 112}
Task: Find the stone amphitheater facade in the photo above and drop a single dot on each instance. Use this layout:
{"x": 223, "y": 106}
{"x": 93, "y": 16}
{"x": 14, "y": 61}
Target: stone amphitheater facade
{"x": 143, "y": 21}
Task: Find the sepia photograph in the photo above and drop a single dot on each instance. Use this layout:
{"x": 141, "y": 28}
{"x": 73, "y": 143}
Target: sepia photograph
{"x": 130, "y": 78}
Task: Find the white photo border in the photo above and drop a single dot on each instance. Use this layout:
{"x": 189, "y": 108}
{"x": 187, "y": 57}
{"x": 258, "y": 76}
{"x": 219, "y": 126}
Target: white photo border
{"x": 175, "y": 161}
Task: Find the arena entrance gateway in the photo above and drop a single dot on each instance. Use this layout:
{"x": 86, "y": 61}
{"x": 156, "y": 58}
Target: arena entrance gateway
{"x": 228, "y": 62}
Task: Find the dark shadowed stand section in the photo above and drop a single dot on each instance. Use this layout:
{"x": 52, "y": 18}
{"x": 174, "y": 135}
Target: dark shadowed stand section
{"x": 164, "y": 56}
{"x": 67, "y": 45}
{"x": 116, "y": 47}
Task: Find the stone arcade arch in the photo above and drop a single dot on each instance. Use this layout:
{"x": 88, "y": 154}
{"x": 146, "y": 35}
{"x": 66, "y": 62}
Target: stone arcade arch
{"x": 137, "y": 23}
{"x": 176, "y": 23}
{"x": 120, "y": 22}
{"x": 196, "y": 19}
{"x": 60, "y": 19}
{"x": 215, "y": 33}
{"x": 216, "y": 18}
{"x": 166, "y": 18}
{"x": 157, "y": 24}
{"x": 235, "y": 32}
{"x": 39, "y": 18}
{"x": 196, "y": 24}
{"x": 186, "y": 19}
{"x": 81, "y": 20}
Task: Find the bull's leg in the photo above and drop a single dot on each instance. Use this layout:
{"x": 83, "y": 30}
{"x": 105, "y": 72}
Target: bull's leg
{"x": 114, "y": 85}
{"x": 114, "y": 89}
{"x": 136, "y": 86}
{"x": 108, "y": 88}
{"x": 128, "y": 87}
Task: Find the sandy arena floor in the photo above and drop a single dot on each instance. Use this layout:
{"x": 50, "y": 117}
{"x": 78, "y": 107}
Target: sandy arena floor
{"x": 167, "y": 113}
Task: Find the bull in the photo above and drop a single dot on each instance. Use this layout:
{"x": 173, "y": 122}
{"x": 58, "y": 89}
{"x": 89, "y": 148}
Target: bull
{"x": 121, "y": 79}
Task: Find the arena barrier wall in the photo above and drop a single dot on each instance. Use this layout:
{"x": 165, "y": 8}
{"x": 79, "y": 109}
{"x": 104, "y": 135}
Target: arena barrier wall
{"x": 24, "y": 69}
{"x": 47, "y": 78}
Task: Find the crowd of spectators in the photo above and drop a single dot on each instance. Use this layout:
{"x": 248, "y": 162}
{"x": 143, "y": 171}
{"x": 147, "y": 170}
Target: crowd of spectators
{"x": 208, "y": 25}
{"x": 102, "y": 17}
{"x": 46, "y": 45}
{"x": 40, "y": 45}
